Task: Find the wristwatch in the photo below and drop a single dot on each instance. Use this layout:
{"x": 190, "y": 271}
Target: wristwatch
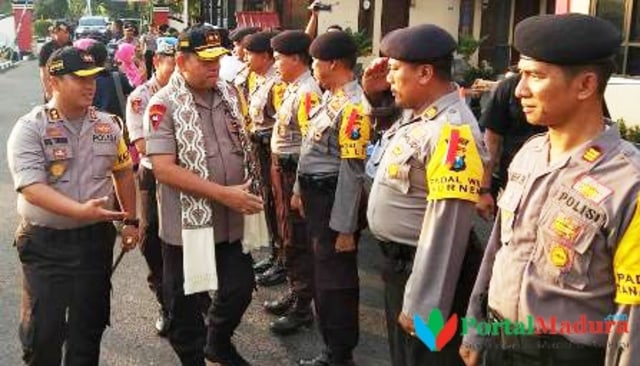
{"x": 484, "y": 190}
{"x": 131, "y": 222}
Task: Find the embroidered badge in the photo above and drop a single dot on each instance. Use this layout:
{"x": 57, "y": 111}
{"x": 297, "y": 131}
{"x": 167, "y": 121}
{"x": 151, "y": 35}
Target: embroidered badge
{"x": 53, "y": 132}
{"x": 156, "y": 112}
{"x": 456, "y": 151}
{"x": 59, "y": 153}
{"x": 592, "y": 154}
{"x": 54, "y": 115}
{"x": 559, "y": 256}
{"x": 102, "y": 128}
{"x": 92, "y": 114}
{"x": 57, "y": 169}
{"x": 431, "y": 112}
{"x": 591, "y": 189}
{"x": 566, "y": 228}
{"x": 136, "y": 105}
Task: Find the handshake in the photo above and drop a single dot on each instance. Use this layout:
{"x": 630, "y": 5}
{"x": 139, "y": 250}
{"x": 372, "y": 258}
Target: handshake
{"x": 319, "y": 6}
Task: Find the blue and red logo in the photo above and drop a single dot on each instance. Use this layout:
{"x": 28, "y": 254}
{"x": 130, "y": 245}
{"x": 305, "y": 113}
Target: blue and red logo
{"x": 435, "y": 334}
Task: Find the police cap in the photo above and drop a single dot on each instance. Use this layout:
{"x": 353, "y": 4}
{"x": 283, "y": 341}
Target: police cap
{"x": 423, "y": 42}
{"x": 291, "y": 42}
{"x": 259, "y": 42}
{"x": 70, "y": 60}
{"x": 238, "y": 34}
{"x": 333, "y": 46}
{"x": 566, "y": 39}
{"x": 206, "y": 42}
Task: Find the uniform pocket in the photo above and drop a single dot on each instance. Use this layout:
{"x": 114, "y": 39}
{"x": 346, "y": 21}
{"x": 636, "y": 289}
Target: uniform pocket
{"x": 563, "y": 256}
{"x": 104, "y": 156}
{"x": 398, "y": 166}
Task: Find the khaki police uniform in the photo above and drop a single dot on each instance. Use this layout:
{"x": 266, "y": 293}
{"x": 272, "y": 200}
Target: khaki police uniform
{"x": 330, "y": 179}
{"x": 263, "y": 104}
{"x": 66, "y": 263}
{"x": 150, "y": 245}
{"x": 402, "y": 208}
{"x": 564, "y": 246}
{"x": 235, "y": 274}
{"x": 291, "y": 124}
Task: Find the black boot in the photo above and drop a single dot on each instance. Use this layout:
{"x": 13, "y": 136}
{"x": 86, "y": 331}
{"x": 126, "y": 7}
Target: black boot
{"x": 299, "y": 316}
{"x": 281, "y": 306}
{"x": 263, "y": 265}
{"x": 273, "y": 276}
{"x": 226, "y": 355}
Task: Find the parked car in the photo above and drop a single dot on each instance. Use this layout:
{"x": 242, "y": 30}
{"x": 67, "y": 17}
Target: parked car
{"x": 93, "y": 26}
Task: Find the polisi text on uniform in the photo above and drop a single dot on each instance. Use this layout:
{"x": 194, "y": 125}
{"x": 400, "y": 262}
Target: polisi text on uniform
{"x": 579, "y": 207}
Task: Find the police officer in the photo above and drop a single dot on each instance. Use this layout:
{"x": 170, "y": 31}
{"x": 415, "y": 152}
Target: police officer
{"x": 237, "y": 37}
{"x": 245, "y": 79}
{"x": 423, "y": 224}
{"x": 292, "y": 121}
{"x": 264, "y": 101}
{"x": 65, "y": 159}
{"x": 163, "y": 64}
{"x": 195, "y": 140}
{"x": 330, "y": 186}
{"x": 564, "y": 248}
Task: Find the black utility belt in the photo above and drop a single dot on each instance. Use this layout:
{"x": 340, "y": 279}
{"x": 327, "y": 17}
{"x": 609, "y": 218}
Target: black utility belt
{"x": 545, "y": 346}
{"x": 262, "y": 137}
{"x": 286, "y": 159}
{"x": 318, "y": 181}
{"x": 400, "y": 255}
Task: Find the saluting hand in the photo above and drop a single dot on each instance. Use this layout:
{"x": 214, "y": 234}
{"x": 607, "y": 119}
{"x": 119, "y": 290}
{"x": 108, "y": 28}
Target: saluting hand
{"x": 345, "y": 243}
{"x": 93, "y": 210}
{"x": 374, "y": 78}
{"x": 240, "y": 200}
{"x": 469, "y": 356}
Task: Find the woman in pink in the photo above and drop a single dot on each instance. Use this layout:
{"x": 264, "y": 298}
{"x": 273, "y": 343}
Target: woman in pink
{"x": 130, "y": 64}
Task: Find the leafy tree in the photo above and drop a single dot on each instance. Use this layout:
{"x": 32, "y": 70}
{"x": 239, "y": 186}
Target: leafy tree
{"x": 50, "y": 9}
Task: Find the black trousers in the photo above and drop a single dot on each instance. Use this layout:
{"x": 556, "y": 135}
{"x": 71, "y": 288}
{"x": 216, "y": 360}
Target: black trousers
{"x": 150, "y": 243}
{"x": 187, "y": 332}
{"x": 552, "y": 350}
{"x": 336, "y": 286}
{"x": 65, "y": 292}
{"x": 261, "y": 142}
{"x": 298, "y": 257}
{"x": 148, "y": 63}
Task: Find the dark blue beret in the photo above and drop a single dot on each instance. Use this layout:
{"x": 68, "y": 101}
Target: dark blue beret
{"x": 238, "y": 34}
{"x": 566, "y": 39}
{"x": 291, "y": 42}
{"x": 259, "y": 42}
{"x": 418, "y": 43}
{"x": 333, "y": 45}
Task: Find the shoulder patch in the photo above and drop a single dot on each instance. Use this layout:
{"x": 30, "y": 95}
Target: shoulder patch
{"x": 136, "y": 105}
{"x": 354, "y": 133}
{"x": 626, "y": 262}
{"x": 156, "y": 113}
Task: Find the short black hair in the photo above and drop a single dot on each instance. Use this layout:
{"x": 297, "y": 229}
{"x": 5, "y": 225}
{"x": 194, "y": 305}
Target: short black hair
{"x": 163, "y": 28}
{"x": 603, "y": 70}
{"x": 99, "y": 52}
{"x": 442, "y": 67}
{"x": 350, "y": 62}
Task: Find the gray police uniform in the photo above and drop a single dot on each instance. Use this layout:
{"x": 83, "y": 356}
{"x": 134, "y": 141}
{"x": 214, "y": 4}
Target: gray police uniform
{"x": 235, "y": 273}
{"x": 330, "y": 179}
{"x": 66, "y": 262}
{"x": 292, "y": 121}
{"x": 399, "y": 214}
{"x": 150, "y": 245}
{"x": 564, "y": 249}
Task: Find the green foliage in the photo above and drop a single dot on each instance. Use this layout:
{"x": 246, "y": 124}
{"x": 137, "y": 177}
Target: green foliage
{"x": 467, "y": 46}
{"x": 629, "y": 133}
{"x": 41, "y": 27}
{"x": 362, "y": 41}
{"x": 50, "y": 9}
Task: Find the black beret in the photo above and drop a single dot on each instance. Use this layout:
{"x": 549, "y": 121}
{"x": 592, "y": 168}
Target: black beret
{"x": 259, "y": 42}
{"x": 333, "y": 46}
{"x": 566, "y": 39}
{"x": 418, "y": 43}
{"x": 291, "y": 42}
{"x": 238, "y": 34}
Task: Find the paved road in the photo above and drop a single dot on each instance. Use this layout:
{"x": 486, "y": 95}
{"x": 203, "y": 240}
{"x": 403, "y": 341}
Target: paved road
{"x": 131, "y": 340}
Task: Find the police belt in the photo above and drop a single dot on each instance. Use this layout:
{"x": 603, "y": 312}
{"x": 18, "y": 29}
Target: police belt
{"x": 544, "y": 346}
{"x": 400, "y": 255}
{"x": 262, "y": 137}
{"x": 287, "y": 161}
{"x": 320, "y": 181}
